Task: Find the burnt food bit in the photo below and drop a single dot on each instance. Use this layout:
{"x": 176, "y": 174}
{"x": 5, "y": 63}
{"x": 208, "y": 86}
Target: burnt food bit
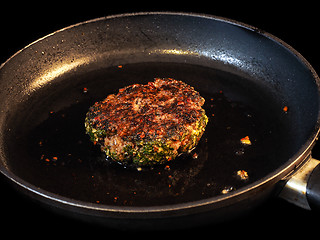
{"x": 148, "y": 124}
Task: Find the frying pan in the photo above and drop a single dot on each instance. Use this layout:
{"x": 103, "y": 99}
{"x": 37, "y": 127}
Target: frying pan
{"x": 254, "y": 84}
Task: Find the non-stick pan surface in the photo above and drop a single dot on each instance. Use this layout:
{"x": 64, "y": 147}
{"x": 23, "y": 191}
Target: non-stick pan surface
{"x": 253, "y": 84}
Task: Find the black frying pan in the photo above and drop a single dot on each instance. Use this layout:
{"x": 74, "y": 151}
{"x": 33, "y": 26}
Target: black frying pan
{"x": 246, "y": 76}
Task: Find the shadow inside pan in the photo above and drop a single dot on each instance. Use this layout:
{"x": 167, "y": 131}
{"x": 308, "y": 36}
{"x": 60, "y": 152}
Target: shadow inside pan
{"x": 47, "y": 145}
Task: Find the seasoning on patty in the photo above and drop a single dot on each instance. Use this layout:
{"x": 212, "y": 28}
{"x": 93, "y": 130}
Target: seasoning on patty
{"x": 148, "y": 124}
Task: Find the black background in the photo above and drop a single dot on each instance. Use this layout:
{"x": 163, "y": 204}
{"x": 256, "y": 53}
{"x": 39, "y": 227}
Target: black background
{"x": 21, "y": 24}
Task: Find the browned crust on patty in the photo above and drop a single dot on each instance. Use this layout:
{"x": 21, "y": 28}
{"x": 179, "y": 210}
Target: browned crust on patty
{"x": 163, "y": 110}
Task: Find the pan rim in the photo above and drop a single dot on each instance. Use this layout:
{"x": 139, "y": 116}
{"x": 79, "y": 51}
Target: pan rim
{"x": 276, "y": 175}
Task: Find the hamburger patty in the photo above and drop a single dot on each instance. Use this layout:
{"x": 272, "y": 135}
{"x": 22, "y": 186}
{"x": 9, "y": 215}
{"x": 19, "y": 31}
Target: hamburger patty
{"x": 148, "y": 124}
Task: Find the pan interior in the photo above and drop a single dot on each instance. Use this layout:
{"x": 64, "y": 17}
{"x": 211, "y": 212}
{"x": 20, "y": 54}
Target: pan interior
{"x": 47, "y": 145}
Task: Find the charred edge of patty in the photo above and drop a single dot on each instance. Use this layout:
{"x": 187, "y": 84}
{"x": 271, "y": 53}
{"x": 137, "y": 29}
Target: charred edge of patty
{"x": 147, "y": 153}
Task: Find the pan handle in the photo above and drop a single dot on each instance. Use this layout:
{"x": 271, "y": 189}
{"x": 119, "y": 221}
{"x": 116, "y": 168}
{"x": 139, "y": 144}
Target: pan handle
{"x": 303, "y": 187}
{"x": 313, "y": 188}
